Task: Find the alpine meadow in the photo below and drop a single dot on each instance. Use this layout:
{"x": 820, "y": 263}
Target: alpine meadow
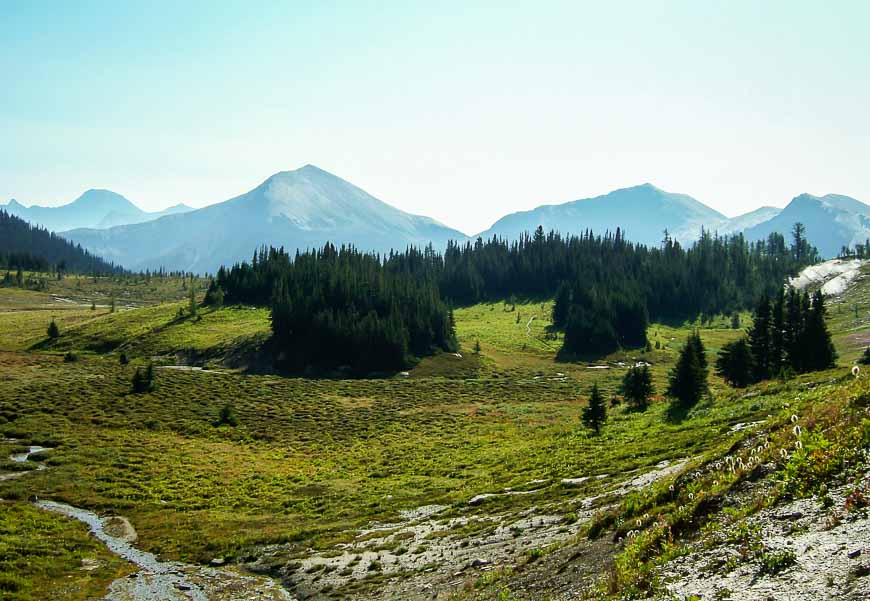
{"x": 523, "y": 376}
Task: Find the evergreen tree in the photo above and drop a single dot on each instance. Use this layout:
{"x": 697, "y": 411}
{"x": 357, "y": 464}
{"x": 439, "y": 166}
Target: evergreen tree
{"x": 192, "y": 302}
{"x": 112, "y": 304}
{"x": 735, "y": 364}
{"x": 595, "y": 413}
{"x": 698, "y": 348}
{"x": 794, "y": 325}
{"x": 687, "y": 382}
{"x": 562, "y": 305}
{"x": 637, "y": 387}
{"x": 777, "y": 334}
{"x": 822, "y": 354}
{"x": 759, "y": 340}
{"x": 143, "y": 381}
{"x": 53, "y": 331}
{"x": 865, "y": 357}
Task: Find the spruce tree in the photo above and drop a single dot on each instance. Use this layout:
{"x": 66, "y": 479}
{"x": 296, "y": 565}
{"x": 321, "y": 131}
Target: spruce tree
{"x": 698, "y": 348}
{"x": 734, "y": 363}
{"x": 865, "y": 357}
{"x": 562, "y": 305}
{"x": 822, "y": 354}
{"x": 53, "y": 331}
{"x": 687, "y": 382}
{"x": 637, "y": 387}
{"x": 192, "y": 301}
{"x": 777, "y": 334}
{"x": 759, "y": 340}
{"x": 792, "y": 331}
{"x": 143, "y": 381}
{"x": 595, "y": 413}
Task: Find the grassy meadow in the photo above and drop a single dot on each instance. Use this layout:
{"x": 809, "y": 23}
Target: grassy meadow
{"x": 311, "y": 462}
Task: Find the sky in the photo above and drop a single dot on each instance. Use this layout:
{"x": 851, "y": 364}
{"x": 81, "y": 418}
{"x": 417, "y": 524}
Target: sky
{"x": 462, "y": 111}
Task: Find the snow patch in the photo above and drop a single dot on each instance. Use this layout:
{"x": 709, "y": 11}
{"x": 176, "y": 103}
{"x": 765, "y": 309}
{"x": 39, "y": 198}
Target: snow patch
{"x": 835, "y": 275}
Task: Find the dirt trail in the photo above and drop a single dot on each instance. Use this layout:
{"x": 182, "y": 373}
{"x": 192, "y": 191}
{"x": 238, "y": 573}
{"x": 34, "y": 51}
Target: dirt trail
{"x": 159, "y": 580}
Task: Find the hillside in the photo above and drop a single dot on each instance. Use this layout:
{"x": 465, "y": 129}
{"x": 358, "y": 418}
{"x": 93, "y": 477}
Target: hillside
{"x": 642, "y": 212}
{"x": 468, "y": 476}
{"x": 831, "y": 221}
{"x": 298, "y": 209}
{"x": 29, "y": 247}
{"x": 93, "y": 209}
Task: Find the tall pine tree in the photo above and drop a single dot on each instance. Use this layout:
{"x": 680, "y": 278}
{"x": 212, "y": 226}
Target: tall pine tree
{"x": 687, "y": 382}
{"x": 759, "y": 340}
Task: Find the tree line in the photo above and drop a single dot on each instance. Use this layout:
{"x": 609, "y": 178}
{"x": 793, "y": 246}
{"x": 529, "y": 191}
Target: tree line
{"x": 339, "y": 306}
{"x": 27, "y": 247}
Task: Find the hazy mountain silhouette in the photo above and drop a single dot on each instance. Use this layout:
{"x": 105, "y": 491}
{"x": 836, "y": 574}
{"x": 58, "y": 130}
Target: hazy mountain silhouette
{"x": 94, "y": 209}
{"x": 296, "y": 209}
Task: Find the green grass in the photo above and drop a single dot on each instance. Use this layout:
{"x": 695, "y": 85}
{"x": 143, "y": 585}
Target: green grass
{"x": 312, "y": 461}
{"x": 44, "y": 556}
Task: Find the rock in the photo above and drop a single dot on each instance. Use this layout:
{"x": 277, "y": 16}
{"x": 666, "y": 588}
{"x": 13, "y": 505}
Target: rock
{"x": 218, "y": 561}
{"x": 479, "y": 563}
{"x": 854, "y": 554}
{"x": 477, "y": 500}
{"x": 33, "y": 498}
{"x": 574, "y": 481}
{"x": 182, "y": 586}
{"x": 794, "y": 515}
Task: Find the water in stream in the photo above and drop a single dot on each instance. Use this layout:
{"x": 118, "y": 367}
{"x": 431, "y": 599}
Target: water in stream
{"x": 160, "y": 580}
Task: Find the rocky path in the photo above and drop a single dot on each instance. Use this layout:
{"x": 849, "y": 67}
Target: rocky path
{"x": 426, "y": 554}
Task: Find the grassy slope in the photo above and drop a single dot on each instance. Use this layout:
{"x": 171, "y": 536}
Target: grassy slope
{"x": 311, "y": 460}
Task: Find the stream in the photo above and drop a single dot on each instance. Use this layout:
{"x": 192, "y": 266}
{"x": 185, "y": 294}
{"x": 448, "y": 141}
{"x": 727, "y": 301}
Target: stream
{"x": 158, "y": 580}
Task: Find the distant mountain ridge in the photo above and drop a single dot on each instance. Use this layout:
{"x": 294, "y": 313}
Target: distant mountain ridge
{"x": 642, "y": 212}
{"x": 307, "y": 207}
{"x": 298, "y": 209}
{"x": 95, "y": 208}
{"x": 832, "y": 222}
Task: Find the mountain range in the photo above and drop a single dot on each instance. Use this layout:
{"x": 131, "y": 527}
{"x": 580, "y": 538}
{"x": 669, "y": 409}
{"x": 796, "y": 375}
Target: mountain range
{"x": 93, "y": 209}
{"x": 296, "y": 209}
{"x": 307, "y": 207}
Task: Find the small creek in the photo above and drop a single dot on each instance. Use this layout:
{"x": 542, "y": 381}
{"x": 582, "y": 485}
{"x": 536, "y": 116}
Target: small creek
{"x": 158, "y": 580}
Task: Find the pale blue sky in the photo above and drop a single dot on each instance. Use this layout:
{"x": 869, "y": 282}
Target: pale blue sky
{"x": 463, "y": 111}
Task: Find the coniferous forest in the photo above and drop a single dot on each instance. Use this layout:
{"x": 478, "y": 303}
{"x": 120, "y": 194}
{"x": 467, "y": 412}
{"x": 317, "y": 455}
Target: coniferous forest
{"x": 28, "y": 247}
{"x": 342, "y": 307}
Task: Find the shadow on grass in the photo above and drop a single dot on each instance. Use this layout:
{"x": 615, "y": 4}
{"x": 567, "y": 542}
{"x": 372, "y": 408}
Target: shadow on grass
{"x": 677, "y": 412}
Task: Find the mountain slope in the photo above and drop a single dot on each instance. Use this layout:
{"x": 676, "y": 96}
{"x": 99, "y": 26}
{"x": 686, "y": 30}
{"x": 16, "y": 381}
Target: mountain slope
{"x": 831, "y": 221}
{"x": 747, "y": 220}
{"x": 94, "y": 208}
{"x": 30, "y": 247}
{"x": 295, "y": 209}
{"x": 642, "y": 212}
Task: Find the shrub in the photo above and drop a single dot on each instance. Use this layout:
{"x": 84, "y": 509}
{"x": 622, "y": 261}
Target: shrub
{"x": 227, "y": 416}
{"x": 143, "y": 381}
